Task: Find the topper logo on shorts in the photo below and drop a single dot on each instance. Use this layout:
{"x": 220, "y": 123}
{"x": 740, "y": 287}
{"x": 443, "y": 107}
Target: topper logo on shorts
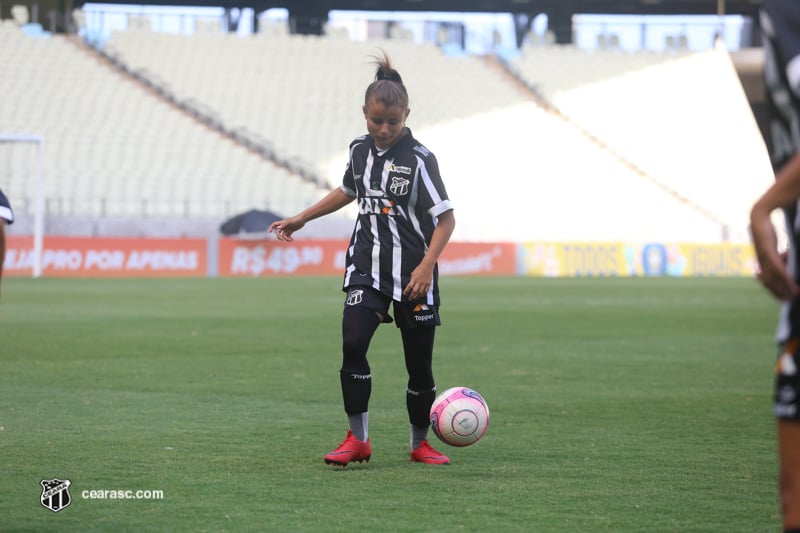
{"x": 55, "y": 494}
{"x": 354, "y": 297}
{"x": 421, "y": 313}
{"x": 785, "y": 406}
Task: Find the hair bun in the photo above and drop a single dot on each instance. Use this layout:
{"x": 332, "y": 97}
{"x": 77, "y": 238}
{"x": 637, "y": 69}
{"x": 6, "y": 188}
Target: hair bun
{"x": 391, "y": 75}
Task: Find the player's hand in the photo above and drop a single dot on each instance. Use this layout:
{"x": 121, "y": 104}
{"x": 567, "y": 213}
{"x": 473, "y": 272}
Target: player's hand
{"x": 775, "y": 277}
{"x": 773, "y": 273}
{"x": 284, "y": 229}
{"x": 420, "y": 282}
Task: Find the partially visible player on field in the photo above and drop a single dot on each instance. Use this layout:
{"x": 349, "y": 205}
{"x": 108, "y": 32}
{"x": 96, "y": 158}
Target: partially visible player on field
{"x": 780, "y": 274}
{"x": 6, "y": 217}
{"x": 405, "y": 221}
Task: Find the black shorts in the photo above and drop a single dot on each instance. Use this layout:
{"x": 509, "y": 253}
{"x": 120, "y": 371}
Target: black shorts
{"x": 409, "y": 315}
{"x": 787, "y": 381}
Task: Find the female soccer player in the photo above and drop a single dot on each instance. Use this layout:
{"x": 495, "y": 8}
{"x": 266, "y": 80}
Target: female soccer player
{"x": 405, "y": 221}
{"x": 780, "y": 23}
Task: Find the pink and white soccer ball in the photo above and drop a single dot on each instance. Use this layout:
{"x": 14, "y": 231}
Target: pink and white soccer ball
{"x": 459, "y": 416}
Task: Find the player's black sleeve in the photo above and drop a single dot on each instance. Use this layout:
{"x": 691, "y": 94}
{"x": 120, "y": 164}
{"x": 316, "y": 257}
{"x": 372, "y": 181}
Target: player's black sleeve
{"x": 5, "y": 209}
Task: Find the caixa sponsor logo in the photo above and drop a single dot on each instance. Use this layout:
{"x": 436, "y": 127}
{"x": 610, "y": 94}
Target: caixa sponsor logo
{"x": 376, "y": 206}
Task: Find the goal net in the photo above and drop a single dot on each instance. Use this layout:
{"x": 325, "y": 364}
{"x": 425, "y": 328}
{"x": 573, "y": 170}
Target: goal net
{"x": 22, "y": 179}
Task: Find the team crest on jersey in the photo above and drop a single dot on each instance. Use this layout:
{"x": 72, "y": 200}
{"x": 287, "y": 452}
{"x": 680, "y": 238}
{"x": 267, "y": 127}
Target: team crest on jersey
{"x": 55, "y": 494}
{"x": 354, "y": 297}
{"x": 399, "y": 186}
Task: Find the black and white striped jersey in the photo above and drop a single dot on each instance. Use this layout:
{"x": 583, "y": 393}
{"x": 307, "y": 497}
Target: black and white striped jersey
{"x": 5, "y": 209}
{"x": 399, "y": 193}
{"x": 780, "y": 26}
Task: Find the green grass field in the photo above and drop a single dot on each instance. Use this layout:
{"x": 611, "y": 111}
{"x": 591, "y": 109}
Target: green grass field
{"x": 617, "y": 404}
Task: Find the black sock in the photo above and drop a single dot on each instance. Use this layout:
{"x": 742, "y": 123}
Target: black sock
{"x": 419, "y": 406}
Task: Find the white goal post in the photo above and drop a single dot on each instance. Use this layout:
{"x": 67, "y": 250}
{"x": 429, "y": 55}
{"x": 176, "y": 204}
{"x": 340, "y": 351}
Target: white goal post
{"x": 38, "y": 192}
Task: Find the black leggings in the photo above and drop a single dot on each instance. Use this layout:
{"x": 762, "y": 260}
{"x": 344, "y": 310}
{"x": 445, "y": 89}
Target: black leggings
{"x": 358, "y": 327}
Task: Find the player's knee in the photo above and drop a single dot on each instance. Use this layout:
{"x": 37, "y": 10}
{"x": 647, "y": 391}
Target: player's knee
{"x": 354, "y": 346}
{"x": 358, "y": 327}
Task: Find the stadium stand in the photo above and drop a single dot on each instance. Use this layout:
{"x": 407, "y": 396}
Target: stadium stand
{"x": 681, "y": 119}
{"x": 554, "y": 143}
{"x": 115, "y": 149}
{"x": 559, "y": 185}
{"x": 304, "y": 93}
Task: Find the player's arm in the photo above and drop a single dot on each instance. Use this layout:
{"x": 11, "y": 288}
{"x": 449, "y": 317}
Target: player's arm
{"x": 783, "y": 193}
{"x": 335, "y": 200}
{"x": 422, "y": 276}
{"x": 2, "y": 249}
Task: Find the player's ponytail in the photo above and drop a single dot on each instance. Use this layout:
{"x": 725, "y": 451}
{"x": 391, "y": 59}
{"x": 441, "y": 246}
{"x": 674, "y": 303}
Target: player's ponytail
{"x": 388, "y": 87}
